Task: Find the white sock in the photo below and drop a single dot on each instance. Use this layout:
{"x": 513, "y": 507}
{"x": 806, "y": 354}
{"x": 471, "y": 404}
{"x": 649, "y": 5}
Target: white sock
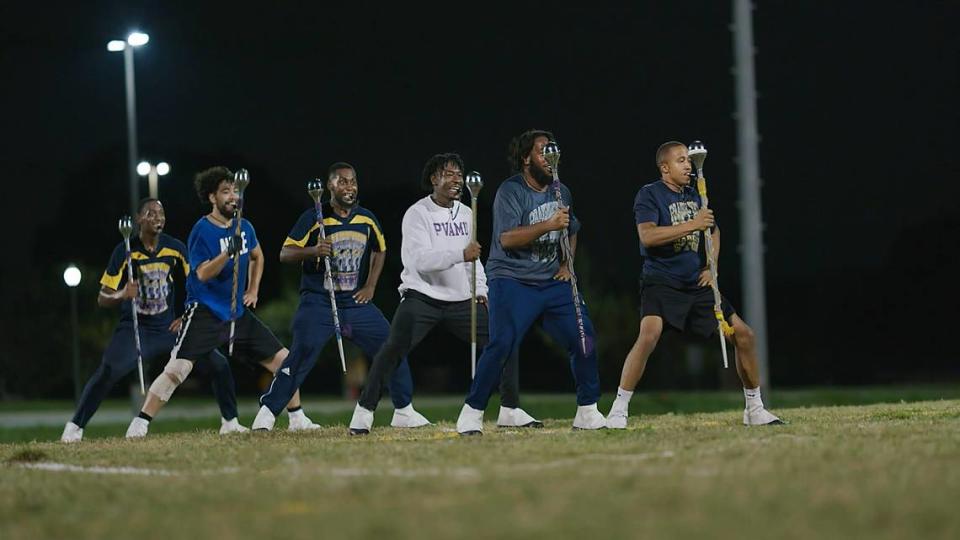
{"x": 298, "y": 414}
{"x": 752, "y": 397}
{"x": 623, "y": 400}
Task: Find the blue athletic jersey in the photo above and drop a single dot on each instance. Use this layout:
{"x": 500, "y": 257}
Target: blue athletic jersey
{"x": 206, "y": 241}
{"x": 353, "y": 237}
{"x": 679, "y": 262}
{"x": 516, "y": 205}
{"x": 154, "y": 274}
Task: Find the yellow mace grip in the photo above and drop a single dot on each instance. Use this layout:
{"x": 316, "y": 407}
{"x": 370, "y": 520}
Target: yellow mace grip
{"x": 702, "y": 186}
{"x": 724, "y": 326}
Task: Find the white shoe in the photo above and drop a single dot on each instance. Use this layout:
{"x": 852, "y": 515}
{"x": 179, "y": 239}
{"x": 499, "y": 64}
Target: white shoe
{"x": 516, "y": 417}
{"x": 588, "y": 417}
{"x": 760, "y": 417}
{"x": 617, "y": 419}
{"x": 138, "y": 428}
{"x": 264, "y": 420}
{"x": 470, "y": 421}
{"x": 408, "y": 417}
{"x": 361, "y": 422}
{"x": 71, "y": 433}
{"x": 301, "y": 422}
{"x": 231, "y": 426}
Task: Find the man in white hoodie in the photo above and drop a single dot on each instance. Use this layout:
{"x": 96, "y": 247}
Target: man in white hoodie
{"x": 435, "y": 285}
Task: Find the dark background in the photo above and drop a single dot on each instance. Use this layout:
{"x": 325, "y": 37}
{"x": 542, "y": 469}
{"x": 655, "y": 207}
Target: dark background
{"x": 857, "y": 112}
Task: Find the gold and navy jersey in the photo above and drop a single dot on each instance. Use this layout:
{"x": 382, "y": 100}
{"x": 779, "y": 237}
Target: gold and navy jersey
{"x": 353, "y": 237}
{"x": 154, "y": 273}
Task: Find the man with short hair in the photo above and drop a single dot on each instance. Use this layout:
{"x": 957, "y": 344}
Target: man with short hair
{"x": 214, "y": 248}
{"x": 357, "y": 249}
{"x": 155, "y": 257}
{"x": 528, "y": 280}
{"x": 677, "y": 283}
{"x": 435, "y": 284}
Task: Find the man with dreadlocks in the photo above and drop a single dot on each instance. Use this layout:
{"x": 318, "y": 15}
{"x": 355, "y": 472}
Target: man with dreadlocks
{"x": 528, "y": 281}
{"x": 435, "y": 285}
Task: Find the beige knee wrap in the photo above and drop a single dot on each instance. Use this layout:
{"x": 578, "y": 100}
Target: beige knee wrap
{"x": 174, "y": 373}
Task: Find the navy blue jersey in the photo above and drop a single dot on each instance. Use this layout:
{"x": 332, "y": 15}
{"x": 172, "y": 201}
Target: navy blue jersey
{"x": 206, "y": 241}
{"x": 154, "y": 271}
{"x": 517, "y": 204}
{"x": 679, "y": 262}
{"x": 353, "y": 237}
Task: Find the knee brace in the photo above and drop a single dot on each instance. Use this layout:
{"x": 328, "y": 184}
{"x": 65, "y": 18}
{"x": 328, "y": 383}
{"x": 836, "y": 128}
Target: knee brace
{"x": 174, "y": 373}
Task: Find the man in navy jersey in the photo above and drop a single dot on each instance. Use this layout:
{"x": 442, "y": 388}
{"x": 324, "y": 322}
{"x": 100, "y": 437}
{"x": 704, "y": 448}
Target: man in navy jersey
{"x": 213, "y": 250}
{"x": 357, "y": 249}
{"x": 155, "y": 257}
{"x": 677, "y": 283}
{"x": 527, "y": 281}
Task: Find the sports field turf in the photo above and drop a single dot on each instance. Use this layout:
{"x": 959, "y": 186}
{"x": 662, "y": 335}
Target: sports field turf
{"x": 882, "y": 470}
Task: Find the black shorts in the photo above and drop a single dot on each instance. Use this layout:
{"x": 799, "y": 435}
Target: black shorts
{"x": 687, "y": 310}
{"x": 201, "y": 332}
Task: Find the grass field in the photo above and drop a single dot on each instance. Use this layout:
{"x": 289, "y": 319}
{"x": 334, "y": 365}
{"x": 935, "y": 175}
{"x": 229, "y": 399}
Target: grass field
{"x": 881, "y": 470}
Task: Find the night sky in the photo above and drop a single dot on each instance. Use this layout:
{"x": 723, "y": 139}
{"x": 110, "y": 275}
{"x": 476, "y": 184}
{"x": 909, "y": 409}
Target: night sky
{"x": 857, "y": 112}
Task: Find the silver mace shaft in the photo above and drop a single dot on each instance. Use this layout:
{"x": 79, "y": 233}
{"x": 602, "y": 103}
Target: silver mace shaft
{"x": 698, "y": 153}
{"x": 241, "y": 179}
{"x": 315, "y": 189}
{"x": 551, "y": 153}
{"x": 126, "y": 229}
{"x": 474, "y": 183}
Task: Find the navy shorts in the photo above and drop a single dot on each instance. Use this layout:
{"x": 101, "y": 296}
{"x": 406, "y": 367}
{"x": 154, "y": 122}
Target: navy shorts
{"x": 687, "y": 310}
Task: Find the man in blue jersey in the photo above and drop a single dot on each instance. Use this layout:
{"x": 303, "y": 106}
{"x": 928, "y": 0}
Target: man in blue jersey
{"x": 677, "y": 283}
{"x": 213, "y": 250}
{"x": 357, "y": 249}
{"x": 527, "y": 281}
{"x": 155, "y": 257}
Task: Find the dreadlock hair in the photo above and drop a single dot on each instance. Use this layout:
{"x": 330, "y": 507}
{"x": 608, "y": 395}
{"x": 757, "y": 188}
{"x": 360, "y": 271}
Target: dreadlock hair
{"x": 436, "y": 163}
{"x": 664, "y": 148}
{"x": 521, "y": 146}
{"x": 207, "y": 182}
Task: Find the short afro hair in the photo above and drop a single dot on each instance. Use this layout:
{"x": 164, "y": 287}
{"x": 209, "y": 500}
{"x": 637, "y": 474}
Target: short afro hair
{"x": 207, "y": 182}
{"x": 664, "y": 149}
{"x": 435, "y": 164}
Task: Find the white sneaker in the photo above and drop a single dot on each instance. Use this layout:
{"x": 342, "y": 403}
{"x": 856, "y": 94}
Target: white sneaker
{"x": 617, "y": 419}
{"x": 408, "y": 417}
{"x": 361, "y": 422}
{"x": 264, "y": 420}
{"x": 71, "y": 433}
{"x": 760, "y": 417}
{"x": 301, "y": 422}
{"x": 138, "y": 428}
{"x": 231, "y": 426}
{"x": 588, "y": 417}
{"x": 470, "y": 421}
{"x": 516, "y": 417}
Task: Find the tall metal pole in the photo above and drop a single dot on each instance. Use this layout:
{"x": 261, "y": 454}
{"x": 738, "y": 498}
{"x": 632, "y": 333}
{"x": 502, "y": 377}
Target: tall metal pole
{"x": 751, "y": 217}
{"x": 74, "y": 322}
{"x": 131, "y": 129}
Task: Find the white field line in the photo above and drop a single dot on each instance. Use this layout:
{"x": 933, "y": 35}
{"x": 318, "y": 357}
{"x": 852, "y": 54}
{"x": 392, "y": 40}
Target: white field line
{"x": 96, "y": 469}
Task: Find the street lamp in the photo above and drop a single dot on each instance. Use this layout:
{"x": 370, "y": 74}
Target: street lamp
{"x": 135, "y": 39}
{"x": 152, "y": 172}
{"x": 71, "y": 276}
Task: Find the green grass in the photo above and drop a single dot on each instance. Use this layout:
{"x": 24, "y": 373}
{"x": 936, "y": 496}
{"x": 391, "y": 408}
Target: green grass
{"x": 888, "y": 470}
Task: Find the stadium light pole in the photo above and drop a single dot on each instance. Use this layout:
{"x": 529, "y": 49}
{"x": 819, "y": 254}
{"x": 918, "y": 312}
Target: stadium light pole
{"x": 71, "y": 276}
{"x": 135, "y": 39}
{"x": 153, "y": 172}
